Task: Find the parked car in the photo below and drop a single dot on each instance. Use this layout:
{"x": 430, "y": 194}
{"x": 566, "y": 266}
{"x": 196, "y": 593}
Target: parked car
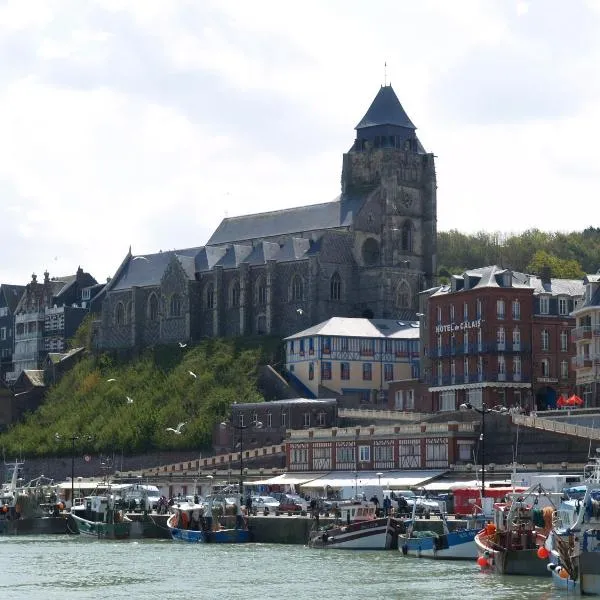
{"x": 291, "y": 502}
{"x": 423, "y": 503}
{"x": 265, "y": 504}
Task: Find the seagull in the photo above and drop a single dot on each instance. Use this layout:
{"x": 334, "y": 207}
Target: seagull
{"x": 129, "y": 400}
{"x": 140, "y": 258}
{"x": 111, "y": 379}
{"x": 193, "y": 374}
{"x": 177, "y": 430}
{"x": 182, "y": 345}
{"x": 299, "y": 311}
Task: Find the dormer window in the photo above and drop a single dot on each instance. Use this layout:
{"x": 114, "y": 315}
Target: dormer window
{"x": 544, "y": 305}
{"x": 563, "y": 306}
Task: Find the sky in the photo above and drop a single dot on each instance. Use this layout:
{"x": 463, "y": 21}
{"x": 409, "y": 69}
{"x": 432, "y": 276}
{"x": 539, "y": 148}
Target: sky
{"x": 144, "y": 123}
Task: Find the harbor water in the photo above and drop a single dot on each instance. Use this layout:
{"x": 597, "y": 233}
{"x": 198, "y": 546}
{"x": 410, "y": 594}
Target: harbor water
{"x": 64, "y": 567}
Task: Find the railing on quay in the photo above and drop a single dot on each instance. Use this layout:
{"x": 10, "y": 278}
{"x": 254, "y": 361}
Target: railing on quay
{"x": 557, "y": 426}
{"x": 220, "y": 461}
{"x": 384, "y": 415}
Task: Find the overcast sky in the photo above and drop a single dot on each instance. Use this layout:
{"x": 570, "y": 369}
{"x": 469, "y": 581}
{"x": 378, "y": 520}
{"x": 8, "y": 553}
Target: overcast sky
{"x": 146, "y": 122}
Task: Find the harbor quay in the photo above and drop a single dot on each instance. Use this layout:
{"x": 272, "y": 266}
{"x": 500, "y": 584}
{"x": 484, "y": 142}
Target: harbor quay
{"x": 264, "y": 529}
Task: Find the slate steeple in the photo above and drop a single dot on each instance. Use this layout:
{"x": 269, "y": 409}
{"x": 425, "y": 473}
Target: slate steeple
{"x": 386, "y": 125}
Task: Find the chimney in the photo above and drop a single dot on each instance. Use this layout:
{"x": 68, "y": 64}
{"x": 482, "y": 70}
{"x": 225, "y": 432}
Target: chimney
{"x": 546, "y": 274}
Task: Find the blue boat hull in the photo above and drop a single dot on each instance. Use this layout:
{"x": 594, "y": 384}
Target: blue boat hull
{"x": 453, "y": 545}
{"x": 221, "y": 536}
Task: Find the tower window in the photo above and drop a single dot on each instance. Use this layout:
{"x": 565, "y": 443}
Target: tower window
{"x": 335, "y": 287}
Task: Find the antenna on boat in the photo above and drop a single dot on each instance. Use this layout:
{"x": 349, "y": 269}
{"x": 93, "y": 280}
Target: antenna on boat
{"x": 515, "y": 454}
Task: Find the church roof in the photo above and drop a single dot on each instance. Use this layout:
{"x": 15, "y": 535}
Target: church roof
{"x": 148, "y": 269}
{"x": 314, "y": 217}
{"x": 385, "y": 110}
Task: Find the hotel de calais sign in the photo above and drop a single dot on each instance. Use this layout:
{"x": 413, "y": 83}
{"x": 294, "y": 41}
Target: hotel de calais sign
{"x": 458, "y": 326}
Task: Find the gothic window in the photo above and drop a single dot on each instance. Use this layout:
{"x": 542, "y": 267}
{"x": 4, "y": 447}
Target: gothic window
{"x": 234, "y": 294}
{"x": 403, "y": 295}
{"x": 175, "y": 306}
{"x": 209, "y": 294}
{"x": 297, "y": 289}
{"x": 261, "y": 291}
{"x": 407, "y": 240}
{"x": 120, "y": 314}
{"x": 370, "y": 251}
{"x": 153, "y": 308}
{"x": 261, "y": 325}
{"x": 335, "y": 286}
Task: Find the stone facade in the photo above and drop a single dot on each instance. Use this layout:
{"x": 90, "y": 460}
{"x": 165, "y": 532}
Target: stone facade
{"x": 366, "y": 254}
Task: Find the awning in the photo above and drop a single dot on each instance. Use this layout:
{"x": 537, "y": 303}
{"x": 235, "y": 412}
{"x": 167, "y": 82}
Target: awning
{"x": 285, "y": 479}
{"x": 397, "y": 480}
{"x": 444, "y": 485}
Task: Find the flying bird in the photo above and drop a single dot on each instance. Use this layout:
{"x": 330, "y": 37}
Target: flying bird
{"x": 111, "y": 379}
{"x": 299, "y": 311}
{"x": 140, "y": 258}
{"x": 177, "y": 430}
{"x": 193, "y": 374}
{"x": 129, "y": 400}
{"x": 182, "y": 345}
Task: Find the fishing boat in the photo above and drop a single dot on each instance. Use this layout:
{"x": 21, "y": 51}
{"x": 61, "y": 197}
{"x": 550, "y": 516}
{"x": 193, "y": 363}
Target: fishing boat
{"x": 453, "y": 545}
{"x": 362, "y": 529}
{"x": 33, "y": 507}
{"x": 574, "y": 543}
{"x": 216, "y": 522}
{"x": 101, "y": 516}
{"x": 509, "y": 544}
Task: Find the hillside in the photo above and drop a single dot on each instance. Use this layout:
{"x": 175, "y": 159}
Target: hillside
{"x": 126, "y": 405}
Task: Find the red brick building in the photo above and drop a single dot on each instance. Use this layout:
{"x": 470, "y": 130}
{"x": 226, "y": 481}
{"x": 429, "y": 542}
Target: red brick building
{"x": 500, "y": 337}
{"x": 404, "y": 447}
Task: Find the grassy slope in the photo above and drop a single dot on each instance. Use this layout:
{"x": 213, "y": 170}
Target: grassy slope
{"x": 164, "y": 393}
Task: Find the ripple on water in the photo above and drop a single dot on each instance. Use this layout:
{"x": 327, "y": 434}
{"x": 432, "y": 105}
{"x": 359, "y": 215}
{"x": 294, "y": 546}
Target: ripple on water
{"x": 65, "y": 567}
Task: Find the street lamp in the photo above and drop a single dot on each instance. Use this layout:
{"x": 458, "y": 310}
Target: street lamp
{"x": 482, "y": 411}
{"x": 379, "y": 477}
{"x": 241, "y": 428}
{"x": 74, "y": 437}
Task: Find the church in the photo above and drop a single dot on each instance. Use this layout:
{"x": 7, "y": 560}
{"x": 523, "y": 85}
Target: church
{"x": 368, "y": 253}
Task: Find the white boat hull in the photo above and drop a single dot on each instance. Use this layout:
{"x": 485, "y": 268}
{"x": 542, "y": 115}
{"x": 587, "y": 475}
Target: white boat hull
{"x": 378, "y": 534}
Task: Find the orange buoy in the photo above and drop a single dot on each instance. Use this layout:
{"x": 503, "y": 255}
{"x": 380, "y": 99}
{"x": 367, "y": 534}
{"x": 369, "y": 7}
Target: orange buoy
{"x": 543, "y": 553}
{"x": 564, "y": 574}
{"x": 482, "y": 562}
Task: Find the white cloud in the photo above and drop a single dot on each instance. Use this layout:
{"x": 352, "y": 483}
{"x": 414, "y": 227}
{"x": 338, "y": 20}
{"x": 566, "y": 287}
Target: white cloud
{"x": 144, "y": 122}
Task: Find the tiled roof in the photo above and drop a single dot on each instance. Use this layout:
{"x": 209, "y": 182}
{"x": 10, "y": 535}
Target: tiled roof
{"x": 314, "y": 217}
{"x": 365, "y": 328}
{"x": 557, "y": 287}
{"x": 36, "y": 378}
{"x": 385, "y": 110}
{"x": 148, "y": 269}
{"x": 12, "y": 295}
{"x": 492, "y": 276}
{"x": 287, "y": 401}
{"x": 57, "y": 357}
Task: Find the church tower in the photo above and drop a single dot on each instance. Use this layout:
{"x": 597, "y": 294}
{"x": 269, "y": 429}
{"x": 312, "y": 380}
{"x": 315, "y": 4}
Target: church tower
{"x": 396, "y": 226}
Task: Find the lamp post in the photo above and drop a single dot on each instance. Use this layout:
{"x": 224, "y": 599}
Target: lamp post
{"x": 484, "y": 410}
{"x": 241, "y": 428}
{"x": 73, "y": 437}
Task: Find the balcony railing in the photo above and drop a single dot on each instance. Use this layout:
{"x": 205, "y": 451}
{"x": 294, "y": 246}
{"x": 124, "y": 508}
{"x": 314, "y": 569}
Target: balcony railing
{"x": 444, "y": 380}
{"x": 585, "y": 332}
{"x": 483, "y": 348}
{"x": 588, "y": 360}
{"x": 27, "y": 317}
